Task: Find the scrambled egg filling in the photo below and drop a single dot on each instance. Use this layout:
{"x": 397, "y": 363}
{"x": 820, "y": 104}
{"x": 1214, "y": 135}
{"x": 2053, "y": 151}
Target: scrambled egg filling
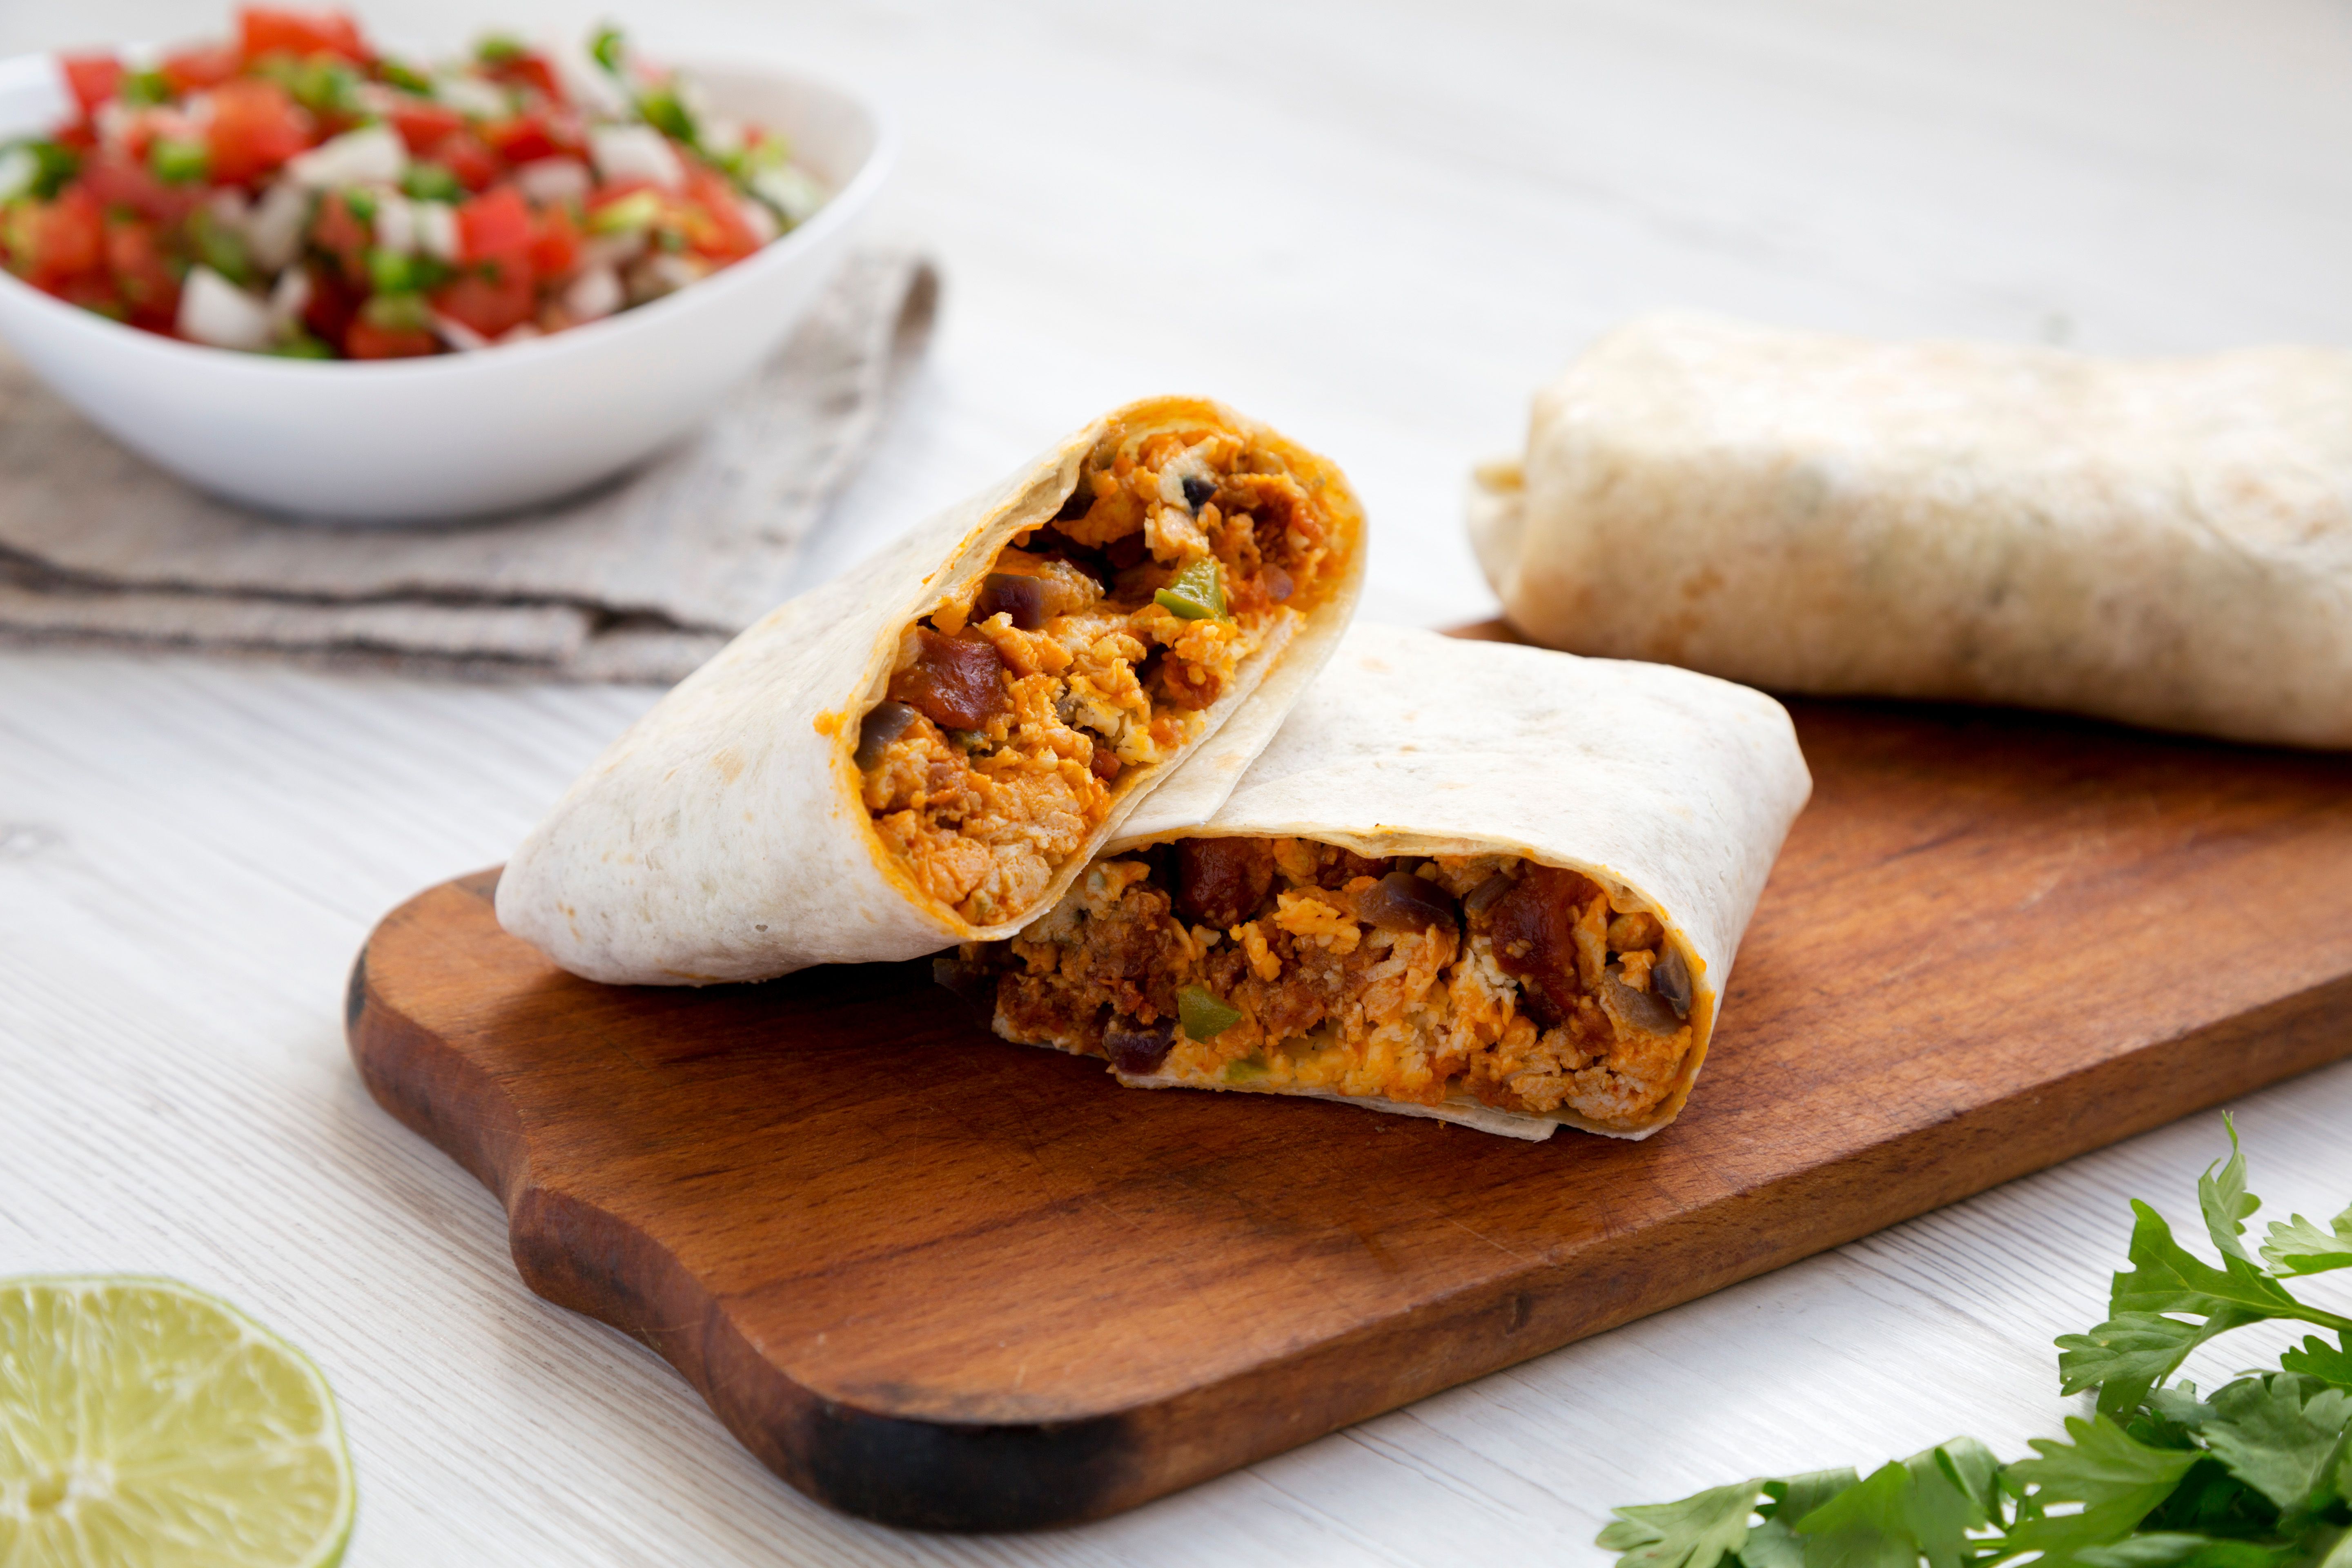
{"x": 1092, "y": 647}
{"x": 1274, "y": 962}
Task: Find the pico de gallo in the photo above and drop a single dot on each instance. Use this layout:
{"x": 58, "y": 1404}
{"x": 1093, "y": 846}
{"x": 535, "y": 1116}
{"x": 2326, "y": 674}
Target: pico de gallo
{"x": 296, "y": 191}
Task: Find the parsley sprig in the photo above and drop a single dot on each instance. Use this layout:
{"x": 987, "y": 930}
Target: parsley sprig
{"x": 2256, "y": 1475}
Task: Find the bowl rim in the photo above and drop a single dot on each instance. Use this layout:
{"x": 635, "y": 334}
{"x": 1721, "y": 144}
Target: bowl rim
{"x": 780, "y": 253}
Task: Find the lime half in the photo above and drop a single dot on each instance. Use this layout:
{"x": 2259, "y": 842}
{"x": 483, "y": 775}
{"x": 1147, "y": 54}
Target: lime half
{"x": 145, "y": 1425}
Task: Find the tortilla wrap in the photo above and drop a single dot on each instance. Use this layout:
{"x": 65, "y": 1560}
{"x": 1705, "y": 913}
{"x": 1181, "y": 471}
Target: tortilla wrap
{"x": 1669, "y": 791}
{"x": 725, "y": 836}
{"x": 2167, "y": 543}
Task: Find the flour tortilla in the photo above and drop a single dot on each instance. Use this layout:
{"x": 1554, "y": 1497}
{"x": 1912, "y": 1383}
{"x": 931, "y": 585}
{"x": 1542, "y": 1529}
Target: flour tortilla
{"x": 722, "y": 837}
{"x": 2168, "y": 543}
{"x": 1672, "y": 790}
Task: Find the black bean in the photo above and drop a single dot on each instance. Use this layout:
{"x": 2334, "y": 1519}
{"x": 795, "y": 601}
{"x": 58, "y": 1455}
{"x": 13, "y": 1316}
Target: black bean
{"x": 1482, "y": 898}
{"x": 1402, "y": 901}
{"x": 1197, "y": 492}
{"x": 1670, "y": 978}
{"x": 1645, "y": 1010}
{"x": 1137, "y": 1049}
{"x": 1079, "y": 502}
{"x": 883, "y": 724}
{"x": 1022, "y": 598}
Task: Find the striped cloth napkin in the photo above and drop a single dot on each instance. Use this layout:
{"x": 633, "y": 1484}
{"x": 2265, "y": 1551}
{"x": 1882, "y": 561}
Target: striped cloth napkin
{"x": 640, "y": 581}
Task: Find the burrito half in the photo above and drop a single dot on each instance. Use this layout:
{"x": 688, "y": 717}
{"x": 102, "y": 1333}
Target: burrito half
{"x": 928, "y": 749}
{"x": 1490, "y": 884}
{"x": 2168, "y": 543}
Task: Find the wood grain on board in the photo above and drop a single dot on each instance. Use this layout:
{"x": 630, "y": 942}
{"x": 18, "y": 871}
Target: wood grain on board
{"x": 943, "y": 1282}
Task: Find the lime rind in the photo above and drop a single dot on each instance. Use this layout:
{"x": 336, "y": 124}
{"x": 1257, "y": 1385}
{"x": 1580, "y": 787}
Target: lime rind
{"x": 144, "y": 1424}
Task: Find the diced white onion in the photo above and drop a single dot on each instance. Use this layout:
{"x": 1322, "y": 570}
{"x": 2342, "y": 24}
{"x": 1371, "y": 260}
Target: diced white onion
{"x": 372, "y": 156}
{"x": 636, "y": 153}
{"x": 229, "y": 209}
{"x": 459, "y": 335}
{"x": 585, "y": 82}
{"x": 216, "y": 312}
{"x": 763, "y": 222}
{"x": 273, "y": 231}
{"x": 669, "y": 272}
{"x": 472, "y": 97}
{"x": 547, "y": 181}
{"x": 395, "y": 222}
{"x": 436, "y": 229}
{"x": 613, "y": 249}
{"x": 18, "y": 170}
{"x": 594, "y": 294}
{"x": 114, "y": 119}
{"x": 289, "y": 300}
{"x": 791, "y": 190}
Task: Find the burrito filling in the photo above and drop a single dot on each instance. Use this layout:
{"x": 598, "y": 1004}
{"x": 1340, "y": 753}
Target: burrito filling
{"x": 1091, "y": 647}
{"x": 1284, "y": 963}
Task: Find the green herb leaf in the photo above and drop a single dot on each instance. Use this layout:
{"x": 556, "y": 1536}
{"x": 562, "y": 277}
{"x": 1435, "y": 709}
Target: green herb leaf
{"x": 1203, "y": 1017}
{"x": 2169, "y": 1278}
{"x": 2118, "y": 1481}
{"x": 408, "y": 79}
{"x": 2316, "y": 1358}
{"x": 2165, "y": 1548}
{"x": 666, "y": 113}
{"x": 2131, "y": 1352}
{"x": 2279, "y": 1434}
{"x": 607, "y": 48}
{"x": 426, "y": 181}
{"x": 499, "y": 49}
{"x": 1899, "y": 1514}
{"x": 2299, "y": 1246}
{"x": 1696, "y": 1532}
{"x": 144, "y": 90}
{"x": 2224, "y": 1200}
{"x": 177, "y": 163}
{"x": 397, "y": 312}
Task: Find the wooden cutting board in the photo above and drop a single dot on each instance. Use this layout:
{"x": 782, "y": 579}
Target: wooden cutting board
{"x": 943, "y": 1282}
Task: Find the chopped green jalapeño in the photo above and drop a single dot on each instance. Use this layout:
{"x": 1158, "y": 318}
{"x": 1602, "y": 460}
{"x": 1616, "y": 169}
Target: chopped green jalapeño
{"x": 1203, "y": 1017}
{"x": 1198, "y": 594}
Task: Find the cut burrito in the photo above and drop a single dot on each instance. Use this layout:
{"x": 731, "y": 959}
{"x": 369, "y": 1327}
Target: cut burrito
{"x": 928, "y": 749}
{"x": 1495, "y": 885}
{"x": 2168, "y": 543}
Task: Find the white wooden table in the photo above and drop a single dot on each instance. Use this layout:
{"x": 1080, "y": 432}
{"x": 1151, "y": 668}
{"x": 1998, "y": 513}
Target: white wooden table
{"x": 1380, "y": 227}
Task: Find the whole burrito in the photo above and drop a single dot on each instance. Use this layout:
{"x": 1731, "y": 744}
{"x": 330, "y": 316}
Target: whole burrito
{"x": 1495, "y": 885}
{"x": 928, "y": 749}
{"x": 2168, "y": 543}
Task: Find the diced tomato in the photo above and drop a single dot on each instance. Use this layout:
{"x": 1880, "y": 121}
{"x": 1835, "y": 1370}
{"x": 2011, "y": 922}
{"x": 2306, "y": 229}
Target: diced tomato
{"x": 93, "y": 291}
{"x": 422, "y": 122}
{"x": 114, "y": 181}
{"x": 364, "y": 340}
{"x": 555, "y": 244}
{"x": 80, "y": 136}
{"x": 338, "y": 231}
{"x": 331, "y": 305}
{"x": 532, "y": 70}
{"x": 68, "y": 238}
{"x": 135, "y": 256}
{"x": 261, "y": 30}
{"x": 715, "y": 225}
{"x": 464, "y": 155}
{"x": 489, "y": 304}
{"x": 495, "y": 226}
{"x": 94, "y": 79}
{"x": 201, "y": 66}
{"x": 522, "y": 138}
{"x": 255, "y": 127}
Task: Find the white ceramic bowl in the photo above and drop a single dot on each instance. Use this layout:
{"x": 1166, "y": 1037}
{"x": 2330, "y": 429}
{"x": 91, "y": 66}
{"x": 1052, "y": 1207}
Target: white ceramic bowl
{"x": 458, "y": 435}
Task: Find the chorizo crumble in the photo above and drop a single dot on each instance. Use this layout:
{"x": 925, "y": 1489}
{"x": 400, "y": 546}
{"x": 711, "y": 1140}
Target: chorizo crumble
{"x": 1272, "y": 963}
{"x": 1091, "y": 647}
